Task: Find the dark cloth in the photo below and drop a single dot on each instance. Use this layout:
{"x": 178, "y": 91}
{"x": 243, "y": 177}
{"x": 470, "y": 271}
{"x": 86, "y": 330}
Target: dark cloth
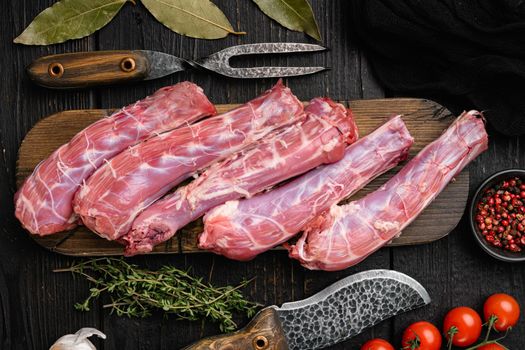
{"x": 469, "y": 53}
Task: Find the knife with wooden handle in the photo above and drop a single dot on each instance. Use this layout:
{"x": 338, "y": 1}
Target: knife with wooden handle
{"x": 263, "y": 332}
{"x": 86, "y": 69}
{"x": 335, "y": 314}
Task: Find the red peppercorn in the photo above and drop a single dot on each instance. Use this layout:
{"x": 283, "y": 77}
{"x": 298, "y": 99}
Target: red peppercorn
{"x": 500, "y": 215}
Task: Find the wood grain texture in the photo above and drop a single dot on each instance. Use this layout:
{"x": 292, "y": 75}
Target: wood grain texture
{"x": 425, "y": 120}
{"x": 264, "y": 332}
{"x": 85, "y": 69}
{"x": 36, "y": 305}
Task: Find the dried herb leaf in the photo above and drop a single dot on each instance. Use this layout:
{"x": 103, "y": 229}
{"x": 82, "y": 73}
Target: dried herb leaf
{"x": 195, "y": 18}
{"x": 293, "y": 14}
{"x": 69, "y": 19}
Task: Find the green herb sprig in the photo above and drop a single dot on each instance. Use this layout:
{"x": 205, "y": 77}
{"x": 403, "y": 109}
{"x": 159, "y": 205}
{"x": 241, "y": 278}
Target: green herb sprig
{"x": 137, "y": 292}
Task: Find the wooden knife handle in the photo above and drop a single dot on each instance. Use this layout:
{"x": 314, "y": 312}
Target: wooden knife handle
{"x": 84, "y": 69}
{"x": 264, "y": 332}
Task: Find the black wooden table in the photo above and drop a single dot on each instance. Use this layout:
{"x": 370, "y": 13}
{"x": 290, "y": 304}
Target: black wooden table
{"x": 36, "y": 305}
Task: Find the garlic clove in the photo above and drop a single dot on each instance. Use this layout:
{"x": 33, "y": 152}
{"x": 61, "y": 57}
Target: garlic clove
{"x": 78, "y": 341}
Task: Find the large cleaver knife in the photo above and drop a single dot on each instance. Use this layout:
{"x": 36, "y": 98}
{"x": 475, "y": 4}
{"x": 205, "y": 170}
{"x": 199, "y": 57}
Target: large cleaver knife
{"x": 335, "y": 314}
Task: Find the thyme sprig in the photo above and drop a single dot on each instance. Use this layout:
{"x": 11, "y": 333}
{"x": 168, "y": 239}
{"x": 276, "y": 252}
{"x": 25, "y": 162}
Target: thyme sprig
{"x": 136, "y": 292}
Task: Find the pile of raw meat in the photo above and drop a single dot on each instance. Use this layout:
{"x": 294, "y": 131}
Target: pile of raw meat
{"x": 116, "y": 177}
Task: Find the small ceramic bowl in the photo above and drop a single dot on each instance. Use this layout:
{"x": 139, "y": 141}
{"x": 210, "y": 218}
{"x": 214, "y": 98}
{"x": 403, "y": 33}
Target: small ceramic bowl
{"x": 496, "y": 252}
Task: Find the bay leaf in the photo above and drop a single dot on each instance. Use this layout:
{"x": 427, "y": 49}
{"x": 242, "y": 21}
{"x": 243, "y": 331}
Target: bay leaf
{"x": 69, "y": 19}
{"x": 293, "y": 14}
{"x": 200, "y": 19}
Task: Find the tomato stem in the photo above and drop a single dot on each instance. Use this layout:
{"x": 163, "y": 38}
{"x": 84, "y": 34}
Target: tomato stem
{"x": 451, "y": 333}
{"x": 413, "y": 344}
{"x": 487, "y": 342}
{"x": 490, "y": 326}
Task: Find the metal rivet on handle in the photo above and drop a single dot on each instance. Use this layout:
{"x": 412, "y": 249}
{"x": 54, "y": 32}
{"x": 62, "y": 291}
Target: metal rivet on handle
{"x": 127, "y": 64}
{"x": 260, "y": 342}
{"x": 55, "y": 70}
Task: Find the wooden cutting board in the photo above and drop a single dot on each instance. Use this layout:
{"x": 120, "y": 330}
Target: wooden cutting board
{"x": 425, "y": 120}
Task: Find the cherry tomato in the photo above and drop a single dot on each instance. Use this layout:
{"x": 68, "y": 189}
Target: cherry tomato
{"x": 466, "y": 323}
{"x": 491, "y": 347}
{"x": 505, "y": 308}
{"x": 421, "y": 336}
{"x": 377, "y": 344}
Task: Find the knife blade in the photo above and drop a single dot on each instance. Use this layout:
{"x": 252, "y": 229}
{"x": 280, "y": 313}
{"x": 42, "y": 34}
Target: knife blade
{"x": 335, "y": 314}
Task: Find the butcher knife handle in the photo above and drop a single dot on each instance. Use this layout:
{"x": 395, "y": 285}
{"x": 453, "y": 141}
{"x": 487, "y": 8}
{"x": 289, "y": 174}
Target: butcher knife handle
{"x": 85, "y": 69}
{"x": 264, "y": 332}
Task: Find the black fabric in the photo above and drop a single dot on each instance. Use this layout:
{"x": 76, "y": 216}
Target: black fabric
{"x": 468, "y": 53}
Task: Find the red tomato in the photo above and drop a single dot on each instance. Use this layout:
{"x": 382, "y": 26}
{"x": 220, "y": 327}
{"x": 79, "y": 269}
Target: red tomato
{"x": 467, "y": 324}
{"x": 491, "y": 347}
{"x": 421, "y": 336}
{"x": 505, "y": 308}
{"x": 377, "y": 344}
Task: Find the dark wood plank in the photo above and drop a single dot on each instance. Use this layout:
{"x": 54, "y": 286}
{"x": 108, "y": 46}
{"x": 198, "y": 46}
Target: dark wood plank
{"x": 455, "y": 270}
{"x": 424, "y": 119}
{"x": 36, "y": 306}
{"x": 277, "y": 278}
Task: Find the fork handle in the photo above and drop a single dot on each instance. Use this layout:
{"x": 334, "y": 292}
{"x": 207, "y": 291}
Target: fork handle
{"x": 85, "y": 69}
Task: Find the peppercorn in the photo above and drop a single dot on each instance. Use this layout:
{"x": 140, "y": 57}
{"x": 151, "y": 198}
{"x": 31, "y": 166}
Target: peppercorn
{"x": 500, "y": 215}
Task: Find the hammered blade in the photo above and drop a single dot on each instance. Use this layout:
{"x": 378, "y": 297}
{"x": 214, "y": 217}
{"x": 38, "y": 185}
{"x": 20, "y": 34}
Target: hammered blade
{"x": 348, "y": 307}
{"x": 162, "y": 64}
{"x": 219, "y": 61}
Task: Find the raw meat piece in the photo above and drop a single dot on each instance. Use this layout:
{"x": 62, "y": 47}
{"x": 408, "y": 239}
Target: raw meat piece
{"x": 43, "y": 203}
{"x": 118, "y": 191}
{"x": 242, "y": 229}
{"x": 321, "y": 138}
{"x": 345, "y": 235}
